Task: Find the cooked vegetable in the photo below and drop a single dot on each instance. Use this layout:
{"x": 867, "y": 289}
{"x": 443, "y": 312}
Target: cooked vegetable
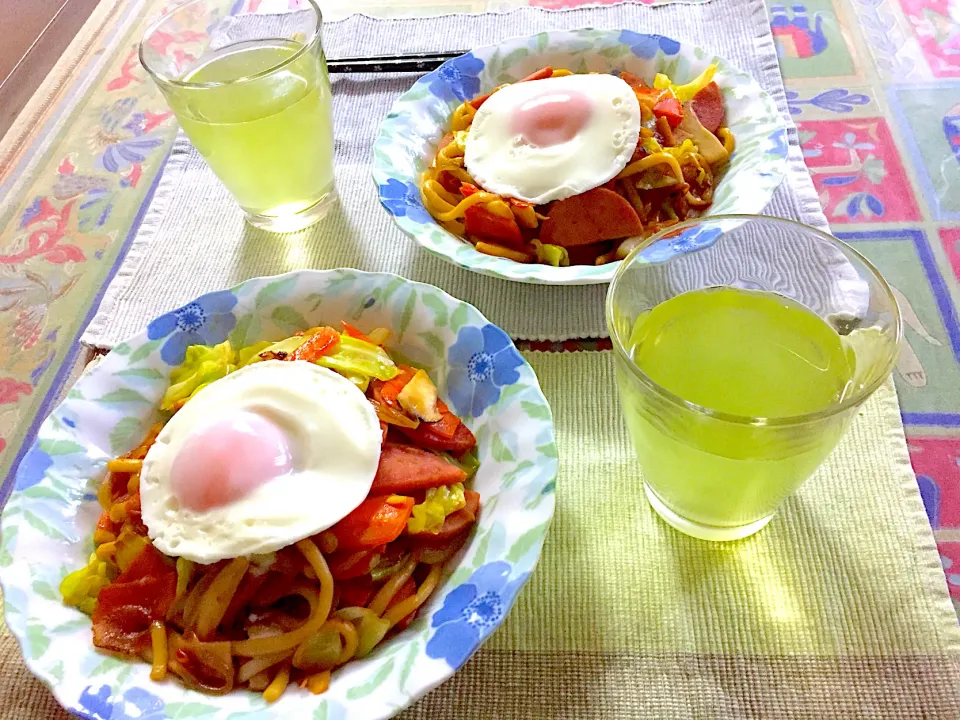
{"x": 361, "y": 358}
{"x": 428, "y": 516}
{"x": 456, "y": 523}
{"x": 686, "y": 92}
{"x": 483, "y": 224}
{"x": 201, "y": 366}
{"x": 321, "y": 342}
{"x": 552, "y": 254}
{"x": 708, "y": 144}
{"x": 251, "y": 354}
{"x": 378, "y": 520}
{"x": 670, "y": 109}
{"x": 419, "y": 397}
{"x": 126, "y": 607}
{"x": 281, "y": 350}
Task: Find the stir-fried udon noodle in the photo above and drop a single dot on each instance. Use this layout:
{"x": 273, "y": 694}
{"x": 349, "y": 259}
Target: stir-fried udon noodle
{"x": 265, "y": 622}
{"x": 672, "y": 176}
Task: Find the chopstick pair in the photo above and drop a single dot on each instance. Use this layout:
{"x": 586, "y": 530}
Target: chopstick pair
{"x": 419, "y": 62}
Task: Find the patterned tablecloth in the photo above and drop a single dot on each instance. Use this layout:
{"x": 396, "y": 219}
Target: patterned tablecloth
{"x": 874, "y": 86}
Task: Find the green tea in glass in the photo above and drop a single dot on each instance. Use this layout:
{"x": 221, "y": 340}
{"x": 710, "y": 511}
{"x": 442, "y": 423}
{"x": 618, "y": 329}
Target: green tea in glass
{"x": 252, "y": 94}
{"x": 743, "y": 347}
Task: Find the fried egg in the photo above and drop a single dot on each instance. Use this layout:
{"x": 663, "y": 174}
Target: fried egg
{"x": 546, "y": 140}
{"x": 264, "y": 457}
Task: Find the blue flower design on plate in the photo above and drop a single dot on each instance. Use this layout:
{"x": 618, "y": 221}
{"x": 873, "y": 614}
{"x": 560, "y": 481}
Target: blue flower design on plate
{"x": 778, "y": 143}
{"x": 403, "y": 200}
{"x": 32, "y": 468}
{"x": 646, "y": 46}
{"x": 135, "y": 704}
{"x": 481, "y": 362}
{"x": 205, "y": 321}
{"x": 457, "y": 79}
{"x": 471, "y": 611}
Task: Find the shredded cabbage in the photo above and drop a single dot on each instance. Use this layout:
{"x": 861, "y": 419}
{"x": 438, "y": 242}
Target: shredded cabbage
{"x": 283, "y": 348}
{"x": 251, "y": 354}
{"x": 439, "y": 502}
{"x": 359, "y": 360}
{"x": 81, "y": 587}
{"x": 554, "y": 255}
{"x": 651, "y": 146}
{"x": 203, "y": 364}
{"x": 686, "y": 92}
{"x": 684, "y": 148}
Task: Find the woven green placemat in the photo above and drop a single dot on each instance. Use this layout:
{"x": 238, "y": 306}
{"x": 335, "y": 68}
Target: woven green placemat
{"x": 838, "y": 609}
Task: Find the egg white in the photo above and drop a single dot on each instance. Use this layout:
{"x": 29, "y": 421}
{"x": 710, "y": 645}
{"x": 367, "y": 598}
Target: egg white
{"x": 502, "y": 163}
{"x": 334, "y": 438}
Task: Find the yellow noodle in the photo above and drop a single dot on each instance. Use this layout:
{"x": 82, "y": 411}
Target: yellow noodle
{"x": 694, "y": 200}
{"x": 436, "y": 187}
{"x": 125, "y": 465}
{"x": 158, "y": 643}
{"x": 133, "y": 484}
{"x": 279, "y": 684}
{"x": 257, "y": 665}
{"x": 561, "y": 72}
{"x": 458, "y": 212}
{"x": 495, "y": 250}
{"x": 463, "y": 117}
{"x": 651, "y": 161}
{"x": 318, "y": 683}
{"x": 217, "y": 598}
{"x": 191, "y": 606}
{"x": 390, "y": 588}
{"x": 289, "y": 640}
{"x": 729, "y": 142}
{"x": 403, "y": 608}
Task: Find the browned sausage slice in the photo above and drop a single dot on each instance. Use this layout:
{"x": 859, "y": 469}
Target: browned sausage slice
{"x": 708, "y": 107}
{"x": 591, "y": 217}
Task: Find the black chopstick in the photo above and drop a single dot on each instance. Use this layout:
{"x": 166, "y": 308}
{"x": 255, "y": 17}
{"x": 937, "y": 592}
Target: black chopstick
{"x": 420, "y": 62}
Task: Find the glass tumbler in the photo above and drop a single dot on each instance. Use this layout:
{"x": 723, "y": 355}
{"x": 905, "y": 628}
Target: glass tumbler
{"x": 714, "y": 473}
{"x": 252, "y": 94}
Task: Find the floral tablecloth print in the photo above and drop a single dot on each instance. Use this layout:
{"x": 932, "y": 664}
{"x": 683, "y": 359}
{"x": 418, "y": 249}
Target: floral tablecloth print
{"x": 874, "y": 86}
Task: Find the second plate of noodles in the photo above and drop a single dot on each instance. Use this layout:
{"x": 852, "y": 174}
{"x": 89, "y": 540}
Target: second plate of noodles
{"x": 423, "y": 170}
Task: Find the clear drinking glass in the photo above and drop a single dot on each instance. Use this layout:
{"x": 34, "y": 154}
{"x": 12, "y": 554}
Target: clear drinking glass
{"x": 833, "y": 322}
{"x": 252, "y": 93}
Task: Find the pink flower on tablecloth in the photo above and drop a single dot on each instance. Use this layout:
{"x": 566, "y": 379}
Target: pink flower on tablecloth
{"x": 857, "y": 171}
{"x": 11, "y": 390}
{"x": 45, "y": 240}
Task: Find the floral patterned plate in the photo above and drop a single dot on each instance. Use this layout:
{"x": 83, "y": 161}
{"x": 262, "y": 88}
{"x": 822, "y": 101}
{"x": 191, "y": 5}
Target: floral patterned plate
{"x": 49, "y": 519}
{"x": 411, "y": 130}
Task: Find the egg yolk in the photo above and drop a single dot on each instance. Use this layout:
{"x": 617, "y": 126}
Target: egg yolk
{"x": 227, "y": 460}
{"x": 552, "y": 118}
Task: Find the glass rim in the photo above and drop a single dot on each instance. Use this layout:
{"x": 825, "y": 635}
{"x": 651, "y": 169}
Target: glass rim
{"x": 788, "y": 420}
{"x": 161, "y": 80}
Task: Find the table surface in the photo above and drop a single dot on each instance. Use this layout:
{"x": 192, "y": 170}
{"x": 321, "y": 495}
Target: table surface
{"x": 873, "y": 85}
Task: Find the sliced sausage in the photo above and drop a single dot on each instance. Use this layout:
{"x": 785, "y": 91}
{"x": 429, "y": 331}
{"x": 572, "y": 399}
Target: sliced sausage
{"x": 708, "y": 106}
{"x": 405, "y": 469}
{"x": 588, "y": 218}
{"x": 463, "y": 440}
